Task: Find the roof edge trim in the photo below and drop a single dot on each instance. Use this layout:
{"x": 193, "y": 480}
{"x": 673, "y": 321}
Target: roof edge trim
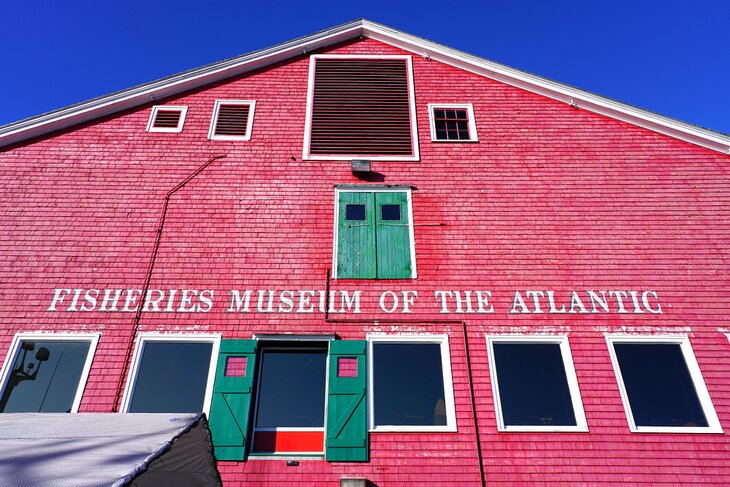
{"x": 175, "y": 84}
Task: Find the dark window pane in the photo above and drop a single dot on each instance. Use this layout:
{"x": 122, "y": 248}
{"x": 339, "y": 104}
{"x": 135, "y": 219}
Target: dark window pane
{"x": 451, "y": 125}
{"x": 441, "y": 133}
{"x": 171, "y": 378}
{"x": 390, "y": 212}
{"x": 355, "y": 212}
{"x": 45, "y": 380}
{"x": 450, "y": 114}
{"x": 461, "y": 114}
{"x": 408, "y": 384}
{"x": 439, "y": 114}
{"x": 453, "y": 135}
{"x": 291, "y": 389}
{"x": 463, "y": 130}
{"x": 533, "y": 388}
{"x": 658, "y": 384}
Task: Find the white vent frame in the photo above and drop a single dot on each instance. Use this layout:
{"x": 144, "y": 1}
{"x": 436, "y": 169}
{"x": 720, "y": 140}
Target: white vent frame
{"x": 306, "y": 156}
{"x": 458, "y": 106}
{"x": 153, "y": 115}
{"x": 249, "y": 121}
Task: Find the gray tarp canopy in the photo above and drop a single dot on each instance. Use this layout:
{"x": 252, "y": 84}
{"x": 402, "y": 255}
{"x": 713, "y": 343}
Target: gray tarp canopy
{"x": 79, "y": 450}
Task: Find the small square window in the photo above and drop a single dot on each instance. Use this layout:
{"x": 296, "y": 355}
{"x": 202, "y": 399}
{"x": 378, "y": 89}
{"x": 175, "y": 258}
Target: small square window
{"x": 410, "y": 384}
{"x": 380, "y": 244}
{"x": 355, "y": 213}
{"x": 232, "y": 120}
{"x": 46, "y": 373}
{"x": 167, "y": 119}
{"x": 390, "y": 212}
{"x": 452, "y": 123}
{"x": 172, "y": 374}
{"x": 347, "y": 367}
{"x": 534, "y": 384}
{"x": 661, "y": 385}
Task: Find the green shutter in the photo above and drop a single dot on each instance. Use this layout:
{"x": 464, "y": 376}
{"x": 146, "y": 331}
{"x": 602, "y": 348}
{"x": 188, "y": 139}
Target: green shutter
{"x": 393, "y": 238}
{"x": 229, "y": 410}
{"x": 356, "y": 238}
{"x": 347, "y": 428}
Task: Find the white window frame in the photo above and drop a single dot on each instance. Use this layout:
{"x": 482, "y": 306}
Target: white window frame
{"x": 581, "y": 425}
{"x": 374, "y": 189}
{"x": 459, "y": 106}
{"x": 142, "y": 338}
{"x": 183, "y": 111}
{"x": 92, "y": 338}
{"x": 346, "y": 157}
{"x": 249, "y": 122}
{"x": 443, "y": 341}
{"x": 713, "y": 423}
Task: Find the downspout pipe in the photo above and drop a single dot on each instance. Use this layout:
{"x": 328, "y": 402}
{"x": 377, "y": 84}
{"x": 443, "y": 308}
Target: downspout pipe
{"x": 477, "y": 437}
{"x": 148, "y": 278}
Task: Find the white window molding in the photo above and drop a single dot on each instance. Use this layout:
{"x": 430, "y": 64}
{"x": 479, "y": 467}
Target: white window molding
{"x": 214, "y": 339}
{"x": 216, "y": 112}
{"x": 458, "y": 106}
{"x": 183, "y": 110}
{"x": 374, "y": 189}
{"x": 443, "y": 342}
{"x": 703, "y": 394}
{"x": 92, "y": 338}
{"x": 561, "y": 340}
{"x": 415, "y": 156}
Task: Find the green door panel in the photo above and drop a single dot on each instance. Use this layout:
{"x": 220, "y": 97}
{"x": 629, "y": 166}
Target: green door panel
{"x": 347, "y": 430}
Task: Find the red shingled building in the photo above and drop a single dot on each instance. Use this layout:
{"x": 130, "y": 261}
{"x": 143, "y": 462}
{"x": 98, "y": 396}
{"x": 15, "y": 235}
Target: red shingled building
{"x": 368, "y": 256}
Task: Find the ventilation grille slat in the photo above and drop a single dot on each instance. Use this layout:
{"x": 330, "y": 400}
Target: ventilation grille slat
{"x": 361, "y": 106}
{"x": 167, "y": 119}
{"x": 232, "y": 120}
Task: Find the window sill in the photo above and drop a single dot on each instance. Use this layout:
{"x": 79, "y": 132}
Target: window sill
{"x": 543, "y": 429}
{"x": 457, "y": 141}
{"x": 285, "y": 456}
{"x": 677, "y": 430}
{"x": 414, "y": 429}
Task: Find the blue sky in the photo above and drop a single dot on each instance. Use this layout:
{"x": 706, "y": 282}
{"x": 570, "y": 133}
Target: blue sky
{"x": 667, "y": 56}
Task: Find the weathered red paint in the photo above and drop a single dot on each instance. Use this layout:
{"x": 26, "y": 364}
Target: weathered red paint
{"x": 549, "y": 198}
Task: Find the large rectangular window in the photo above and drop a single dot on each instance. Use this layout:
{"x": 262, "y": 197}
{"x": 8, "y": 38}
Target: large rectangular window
{"x": 289, "y": 415}
{"x": 410, "y": 384}
{"x": 661, "y": 385}
{"x": 360, "y": 107}
{"x": 373, "y": 234}
{"x": 46, "y": 373}
{"x": 172, "y": 374}
{"x": 534, "y": 384}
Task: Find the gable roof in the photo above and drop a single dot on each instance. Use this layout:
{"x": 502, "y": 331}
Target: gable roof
{"x": 195, "y": 78}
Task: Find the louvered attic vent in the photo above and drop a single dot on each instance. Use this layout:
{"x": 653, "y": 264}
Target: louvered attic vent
{"x": 232, "y": 120}
{"x": 166, "y": 119}
{"x": 361, "y": 107}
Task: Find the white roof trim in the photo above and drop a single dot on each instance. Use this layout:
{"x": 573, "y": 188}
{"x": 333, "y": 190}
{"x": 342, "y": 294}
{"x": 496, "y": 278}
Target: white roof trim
{"x": 106, "y": 105}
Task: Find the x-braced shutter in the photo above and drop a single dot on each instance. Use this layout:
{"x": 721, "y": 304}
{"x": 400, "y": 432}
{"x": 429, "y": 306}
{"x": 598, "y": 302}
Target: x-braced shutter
{"x": 229, "y": 410}
{"x": 347, "y": 429}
